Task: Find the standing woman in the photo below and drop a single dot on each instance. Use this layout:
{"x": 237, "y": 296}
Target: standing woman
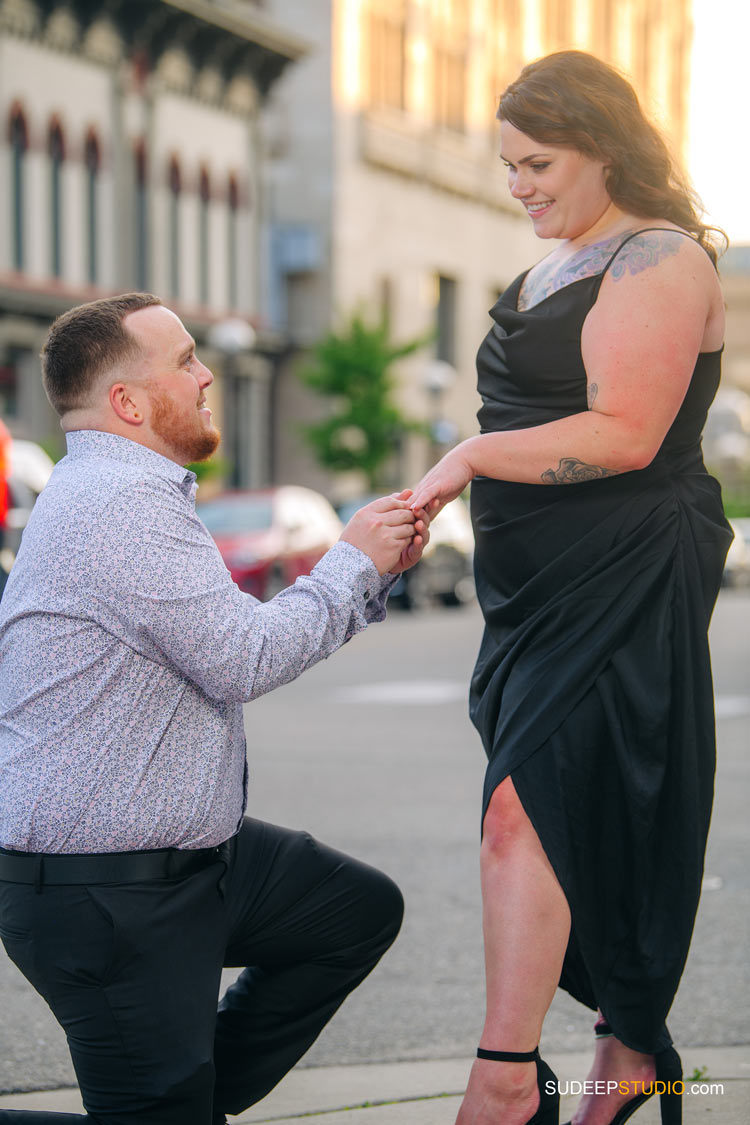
{"x": 600, "y": 541}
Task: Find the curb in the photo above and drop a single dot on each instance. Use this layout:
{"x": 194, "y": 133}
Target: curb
{"x": 429, "y": 1092}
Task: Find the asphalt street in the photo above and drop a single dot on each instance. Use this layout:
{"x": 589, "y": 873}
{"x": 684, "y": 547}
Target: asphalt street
{"x": 372, "y": 751}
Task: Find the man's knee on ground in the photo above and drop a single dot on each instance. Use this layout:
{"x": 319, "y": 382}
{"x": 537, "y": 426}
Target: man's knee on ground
{"x": 375, "y": 920}
{"x": 392, "y": 909}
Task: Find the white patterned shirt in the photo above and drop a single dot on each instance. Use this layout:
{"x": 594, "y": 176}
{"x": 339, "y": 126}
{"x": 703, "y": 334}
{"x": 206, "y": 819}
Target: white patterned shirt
{"x": 127, "y": 652}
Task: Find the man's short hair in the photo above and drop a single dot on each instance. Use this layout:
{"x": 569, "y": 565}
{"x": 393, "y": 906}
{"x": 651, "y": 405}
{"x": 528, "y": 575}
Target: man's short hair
{"x": 84, "y": 343}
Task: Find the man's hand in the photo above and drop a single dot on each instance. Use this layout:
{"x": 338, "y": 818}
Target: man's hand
{"x": 384, "y": 530}
{"x": 413, "y": 552}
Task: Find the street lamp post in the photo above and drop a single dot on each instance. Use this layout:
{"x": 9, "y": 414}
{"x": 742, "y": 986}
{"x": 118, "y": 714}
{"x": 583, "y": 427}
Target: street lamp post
{"x": 232, "y": 338}
{"x": 438, "y": 376}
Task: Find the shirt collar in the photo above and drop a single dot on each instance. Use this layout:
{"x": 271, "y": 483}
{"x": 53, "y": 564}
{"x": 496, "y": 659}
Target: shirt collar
{"x": 87, "y": 443}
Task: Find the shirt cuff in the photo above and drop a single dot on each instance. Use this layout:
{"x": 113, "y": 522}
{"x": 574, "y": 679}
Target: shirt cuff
{"x": 347, "y": 564}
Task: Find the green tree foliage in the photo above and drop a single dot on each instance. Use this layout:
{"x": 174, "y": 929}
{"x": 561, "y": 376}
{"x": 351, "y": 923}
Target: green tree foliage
{"x": 352, "y": 369}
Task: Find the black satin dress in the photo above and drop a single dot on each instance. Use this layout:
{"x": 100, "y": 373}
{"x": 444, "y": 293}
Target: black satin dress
{"x": 593, "y": 683}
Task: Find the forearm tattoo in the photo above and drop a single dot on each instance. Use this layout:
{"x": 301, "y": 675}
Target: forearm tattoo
{"x": 572, "y": 471}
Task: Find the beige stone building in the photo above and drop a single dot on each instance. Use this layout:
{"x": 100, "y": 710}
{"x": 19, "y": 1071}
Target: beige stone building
{"x": 383, "y": 173}
{"x": 130, "y": 158}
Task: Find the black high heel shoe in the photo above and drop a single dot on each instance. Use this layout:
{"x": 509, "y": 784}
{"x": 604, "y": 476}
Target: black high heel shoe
{"x": 549, "y": 1095}
{"x": 668, "y": 1073}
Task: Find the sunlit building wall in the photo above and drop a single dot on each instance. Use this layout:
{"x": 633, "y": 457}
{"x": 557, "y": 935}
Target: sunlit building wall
{"x": 386, "y": 153}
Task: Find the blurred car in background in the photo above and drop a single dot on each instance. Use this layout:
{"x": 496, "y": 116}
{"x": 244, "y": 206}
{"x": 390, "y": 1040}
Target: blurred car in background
{"x": 444, "y": 574}
{"x": 269, "y": 537}
{"x": 737, "y": 566}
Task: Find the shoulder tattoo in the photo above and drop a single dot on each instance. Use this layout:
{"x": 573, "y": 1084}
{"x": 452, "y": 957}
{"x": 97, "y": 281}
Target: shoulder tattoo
{"x": 572, "y": 471}
{"x": 546, "y": 278}
{"x": 647, "y": 249}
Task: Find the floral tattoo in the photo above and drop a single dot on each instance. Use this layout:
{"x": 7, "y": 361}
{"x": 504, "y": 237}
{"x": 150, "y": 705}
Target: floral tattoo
{"x": 643, "y": 251}
{"x": 646, "y": 250}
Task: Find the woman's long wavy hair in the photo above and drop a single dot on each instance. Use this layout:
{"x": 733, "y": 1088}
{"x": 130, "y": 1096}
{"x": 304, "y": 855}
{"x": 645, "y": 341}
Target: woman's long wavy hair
{"x": 574, "y": 99}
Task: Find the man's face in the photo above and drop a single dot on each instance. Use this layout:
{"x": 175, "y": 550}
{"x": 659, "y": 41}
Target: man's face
{"x": 176, "y": 383}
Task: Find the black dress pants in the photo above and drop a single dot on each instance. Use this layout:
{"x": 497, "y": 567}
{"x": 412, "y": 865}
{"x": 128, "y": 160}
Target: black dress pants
{"x": 132, "y": 973}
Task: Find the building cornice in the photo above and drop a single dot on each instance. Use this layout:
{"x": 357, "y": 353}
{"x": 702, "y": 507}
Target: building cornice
{"x": 252, "y": 26}
{"x": 235, "y": 42}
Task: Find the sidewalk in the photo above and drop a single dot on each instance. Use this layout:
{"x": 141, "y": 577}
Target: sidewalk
{"x": 429, "y": 1093}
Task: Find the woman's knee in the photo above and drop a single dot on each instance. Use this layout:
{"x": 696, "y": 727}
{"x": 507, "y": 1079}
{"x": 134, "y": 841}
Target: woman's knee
{"x": 505, "y": 821}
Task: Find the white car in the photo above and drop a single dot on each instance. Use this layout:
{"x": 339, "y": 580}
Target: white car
{"x": 30, "y": 465}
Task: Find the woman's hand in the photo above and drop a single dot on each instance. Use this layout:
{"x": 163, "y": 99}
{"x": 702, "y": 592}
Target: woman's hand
{"x": 445, "y": 481}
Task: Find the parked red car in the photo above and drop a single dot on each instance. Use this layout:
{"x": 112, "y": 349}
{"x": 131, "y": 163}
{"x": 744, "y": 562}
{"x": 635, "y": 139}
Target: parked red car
{"x": 269, "y": 537}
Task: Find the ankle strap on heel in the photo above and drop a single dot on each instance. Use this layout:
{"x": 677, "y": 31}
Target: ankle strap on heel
{"x": 508, "y": 1056}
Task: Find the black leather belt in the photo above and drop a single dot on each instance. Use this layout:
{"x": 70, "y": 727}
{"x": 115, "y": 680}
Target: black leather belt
{"x": 39, "y": 868}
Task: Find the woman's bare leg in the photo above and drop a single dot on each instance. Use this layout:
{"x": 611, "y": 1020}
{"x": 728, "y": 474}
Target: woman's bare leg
{"x": 613, "y": 1062}
{"x": 526, "y": 930}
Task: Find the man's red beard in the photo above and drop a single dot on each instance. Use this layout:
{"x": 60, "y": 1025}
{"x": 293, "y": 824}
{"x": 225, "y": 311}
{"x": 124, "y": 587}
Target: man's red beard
{"x": 190, "y": 437}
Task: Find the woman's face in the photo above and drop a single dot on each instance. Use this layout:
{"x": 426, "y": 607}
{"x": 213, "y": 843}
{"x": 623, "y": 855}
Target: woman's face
{"x": 562, "y": 190}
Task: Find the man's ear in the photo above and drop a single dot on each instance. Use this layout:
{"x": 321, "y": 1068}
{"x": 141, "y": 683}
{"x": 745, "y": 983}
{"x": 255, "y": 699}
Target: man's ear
{"x": 127, "y": 403}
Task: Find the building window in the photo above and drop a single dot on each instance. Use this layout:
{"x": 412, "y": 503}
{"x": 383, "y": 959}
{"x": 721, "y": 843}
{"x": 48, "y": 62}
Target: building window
{"x": 92, "y": 162}
{"x": 140, "y": 169}
{"x": 450, "y": 64}
{"x": 643, "y": 33}
{"x": 677, "y": 90}
{"x": 204, "y": 210}
{"x": 446, "y": 319}
{"x": 9, "y": 383}
{"x": 557, "y": 27}
{"x": 56, "y": 153}
{"x": 506, "y": 38}
{"x": 18, "y": 136}
{"x": 605, "y": 21}
{"x": 386, "y": 301}
{"x": 387, "y": 54}
{"x": 175, "y": 188}
{"x": 233, "y": 206}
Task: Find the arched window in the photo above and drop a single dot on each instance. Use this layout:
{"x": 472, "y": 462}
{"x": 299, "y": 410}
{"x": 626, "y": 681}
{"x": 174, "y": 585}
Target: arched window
{"x": 204, "y": 202}
{"x": 92, "y": 161}
{"x": 140, "y": 216}
{"x": 233, "y": 206}
{"x": 56, "y": 153}
{"x": 175, "y": 188}
{"x": 18, "y": 137}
